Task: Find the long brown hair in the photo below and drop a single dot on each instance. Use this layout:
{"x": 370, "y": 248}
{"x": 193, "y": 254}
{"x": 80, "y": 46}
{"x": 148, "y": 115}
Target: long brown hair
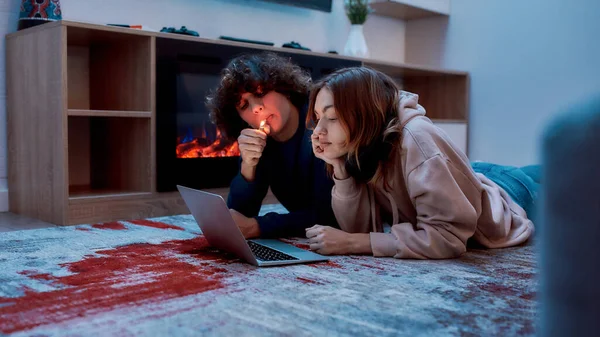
{"x": 367, "y": 103}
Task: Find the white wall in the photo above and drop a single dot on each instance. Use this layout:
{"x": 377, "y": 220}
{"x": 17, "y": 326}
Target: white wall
{"x": 528, "y": 59}
{"x": 251, "y": 19}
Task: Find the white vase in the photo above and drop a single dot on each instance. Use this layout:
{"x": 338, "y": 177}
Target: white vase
{"x": 356, "y": 45}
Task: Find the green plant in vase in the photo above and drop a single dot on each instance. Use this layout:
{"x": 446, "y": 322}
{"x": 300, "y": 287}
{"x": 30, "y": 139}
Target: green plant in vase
{"x": 357, "y": 12}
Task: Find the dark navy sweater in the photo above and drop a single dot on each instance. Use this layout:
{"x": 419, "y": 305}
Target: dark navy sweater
{"x": 298, "y": 180}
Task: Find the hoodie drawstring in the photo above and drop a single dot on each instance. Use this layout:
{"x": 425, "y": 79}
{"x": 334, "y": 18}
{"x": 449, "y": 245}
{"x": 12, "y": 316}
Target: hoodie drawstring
{"x": 375, "y": 225}
{"x": 395, "y": 216}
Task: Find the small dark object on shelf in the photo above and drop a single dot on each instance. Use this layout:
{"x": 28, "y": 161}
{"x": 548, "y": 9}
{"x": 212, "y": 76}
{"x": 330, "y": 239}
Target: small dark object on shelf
{"x": 235, "y": 39}
{"x": 332, "y": 52}
{"x": 182, "y": 31}
{"x": 294, "y": 45}
{"x": 125, "y": 26}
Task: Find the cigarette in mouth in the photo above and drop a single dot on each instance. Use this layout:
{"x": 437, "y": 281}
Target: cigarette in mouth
{"x": 262, "y": 125}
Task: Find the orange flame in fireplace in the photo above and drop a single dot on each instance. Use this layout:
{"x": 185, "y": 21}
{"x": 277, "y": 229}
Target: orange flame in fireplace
{"x": 219, "y": 148}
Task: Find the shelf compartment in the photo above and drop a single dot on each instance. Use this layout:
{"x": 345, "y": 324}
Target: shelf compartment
{"x": 121, "y": 160}
{"x": 108, "y": 70}
{"x": 110, "y": 113}
{"x": 444, "y": 97}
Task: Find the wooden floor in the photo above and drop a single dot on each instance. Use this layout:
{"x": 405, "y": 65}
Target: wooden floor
{"x": 14, "y": 222}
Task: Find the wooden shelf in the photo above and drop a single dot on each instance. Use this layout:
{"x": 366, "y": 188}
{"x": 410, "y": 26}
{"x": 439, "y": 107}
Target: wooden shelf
{"x": 411, "y": 9}
{"x": 108, "y": 155}
{"x": 108, "y": 71}
{"x": 109, "y": 113}
{"x": 83, "y": 194}
{"x": 444, "y": 97}
{"x": 85, "y": 34}
{"x": 83, "y": 149}
{"x": 124, "y": 207}
{"x": 402, "y": 69}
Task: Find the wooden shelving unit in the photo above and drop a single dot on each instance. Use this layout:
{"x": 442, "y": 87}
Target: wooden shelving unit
{"x": 82, "y": 119}
{"x": 109, "y": 113}
{"x": 411, "y": 9}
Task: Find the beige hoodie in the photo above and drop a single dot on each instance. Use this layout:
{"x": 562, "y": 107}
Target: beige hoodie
{"x": 436, "y": 201}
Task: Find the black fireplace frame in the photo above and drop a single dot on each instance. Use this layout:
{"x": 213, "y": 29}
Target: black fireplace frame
{"x": 204, "y": 173}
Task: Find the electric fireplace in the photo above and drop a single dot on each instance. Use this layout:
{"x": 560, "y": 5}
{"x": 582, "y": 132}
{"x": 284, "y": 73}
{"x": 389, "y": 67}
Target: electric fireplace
{"x": 190, "y": 149}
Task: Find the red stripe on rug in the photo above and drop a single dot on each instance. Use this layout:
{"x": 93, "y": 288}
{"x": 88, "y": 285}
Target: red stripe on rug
{"x": 326, "y": 265}
{"x": 155, "y": 224}
{"x": 121, "y": 277}
{"x": 306, "y": 280}
{"x": 110, "y": 225}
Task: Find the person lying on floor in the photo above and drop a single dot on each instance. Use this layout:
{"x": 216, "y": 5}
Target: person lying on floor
{"x": 261, "y": 101}
{"x": 391, "y": 164}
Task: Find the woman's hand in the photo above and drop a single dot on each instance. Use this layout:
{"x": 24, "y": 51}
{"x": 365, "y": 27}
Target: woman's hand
{"x": 338, "y": 164}
{"x": 327, "y": 240}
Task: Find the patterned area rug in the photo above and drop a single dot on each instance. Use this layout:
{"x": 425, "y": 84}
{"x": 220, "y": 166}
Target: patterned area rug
{"x": 159, "y": 277}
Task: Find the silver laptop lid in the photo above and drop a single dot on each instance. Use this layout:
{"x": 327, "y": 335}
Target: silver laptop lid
{"x": 215, "y": 221}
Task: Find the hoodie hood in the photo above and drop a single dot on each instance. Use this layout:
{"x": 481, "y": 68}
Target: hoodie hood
{"x": 409, "y": 107}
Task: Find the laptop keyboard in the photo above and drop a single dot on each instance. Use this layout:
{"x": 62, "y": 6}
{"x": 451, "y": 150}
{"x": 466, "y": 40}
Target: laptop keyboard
{"x": 265, "y": 253}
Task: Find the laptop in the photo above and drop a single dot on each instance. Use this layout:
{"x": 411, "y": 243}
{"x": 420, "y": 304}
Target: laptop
{"x": 212, "y": 215}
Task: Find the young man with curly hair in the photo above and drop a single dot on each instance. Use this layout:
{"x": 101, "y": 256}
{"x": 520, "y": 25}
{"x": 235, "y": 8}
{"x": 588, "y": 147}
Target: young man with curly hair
{"x": 261, "y": 101}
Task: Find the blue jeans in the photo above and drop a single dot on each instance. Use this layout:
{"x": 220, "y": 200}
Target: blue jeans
{"x": 521, "y": 183}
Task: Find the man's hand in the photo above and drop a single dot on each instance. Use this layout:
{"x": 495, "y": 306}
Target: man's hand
{"x": 248, "y": 226}
{"x": 327, "y": 240}
{"x": 251, "y": 143}
{"x": 338, "y": 164}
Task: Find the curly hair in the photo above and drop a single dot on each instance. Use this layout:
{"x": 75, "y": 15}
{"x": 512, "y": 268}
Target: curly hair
{"x": 265, "y": 71}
